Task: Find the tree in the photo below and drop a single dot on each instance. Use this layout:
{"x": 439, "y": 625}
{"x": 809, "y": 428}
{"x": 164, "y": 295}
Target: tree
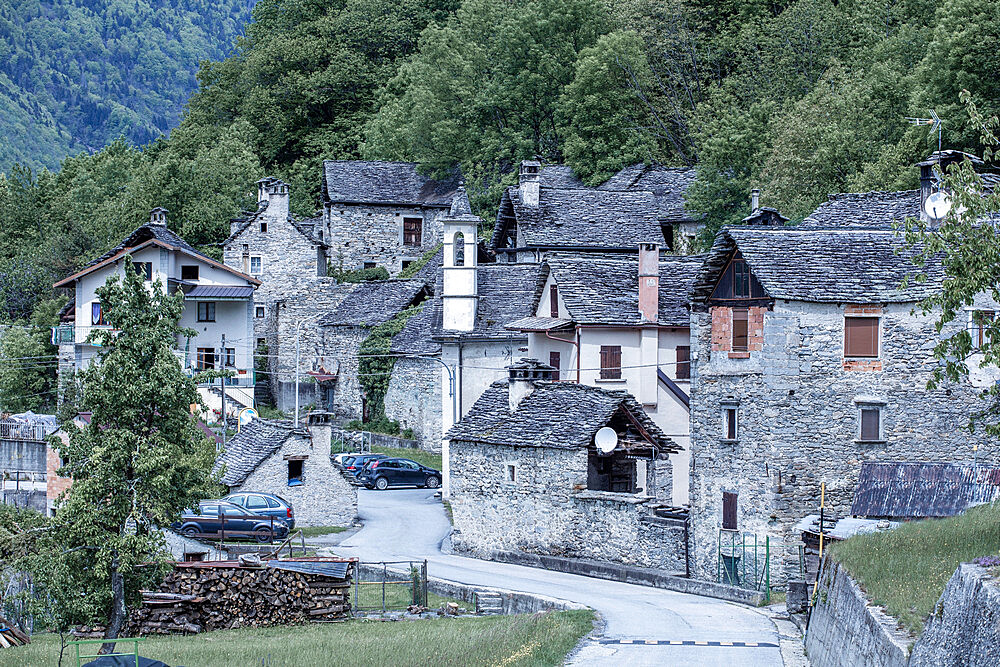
{"x": 28, "y": 360}
{"x": 141, "y": 460}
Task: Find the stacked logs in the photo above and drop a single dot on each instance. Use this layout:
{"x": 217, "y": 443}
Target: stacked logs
{"x": 220, "y": 595}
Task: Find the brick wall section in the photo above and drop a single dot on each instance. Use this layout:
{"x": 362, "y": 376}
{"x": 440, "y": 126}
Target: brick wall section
{"x": 54, "y": 484}
{"x": 548, "y": 510}
{"x": 722, "y": 331}
{"x": 798, "y": 421}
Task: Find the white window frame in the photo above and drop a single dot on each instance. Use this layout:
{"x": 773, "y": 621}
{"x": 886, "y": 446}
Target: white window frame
{"x": 511, "y": 469}
{"x": 726, "y": 407}
{"x": 260, "y": 265}
{"x": 863, "y": 404}
{"x": 260, "y": 309}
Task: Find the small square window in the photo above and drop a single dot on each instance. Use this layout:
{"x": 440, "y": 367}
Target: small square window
{"x": 259, "y": 312}
{"x": 206, "y": 311}
{"x": 404, "y": 264}
{"x": 869, "y": 423}
{"x": 189, "y": 272}
{"x": 263, "y": 227}
{"x": 295, "y": 472}
{"x": 369, "y": 265}
{"x": 861, "y": 337}
{"x": 512, "y": 472}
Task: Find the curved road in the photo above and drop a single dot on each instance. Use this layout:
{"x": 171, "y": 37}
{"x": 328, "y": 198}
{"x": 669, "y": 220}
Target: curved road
{"x": 411, "y": 524}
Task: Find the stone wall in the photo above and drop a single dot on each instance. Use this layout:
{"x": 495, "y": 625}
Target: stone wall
{"x": 548, "y": 510}
{"x": 845, "y": 630}
{"x": 798, "y": 421}
{"x": 342, "y": 343}
{"x": 364, "y": 233}
{"x": 325, "y": 498}
{"x": 414, "y": 400}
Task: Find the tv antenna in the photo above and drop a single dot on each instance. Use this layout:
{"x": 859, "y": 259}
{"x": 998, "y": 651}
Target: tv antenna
{"x": 934, "y": 122}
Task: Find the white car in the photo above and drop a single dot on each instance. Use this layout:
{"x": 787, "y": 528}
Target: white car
{"x": 338, "y": 459}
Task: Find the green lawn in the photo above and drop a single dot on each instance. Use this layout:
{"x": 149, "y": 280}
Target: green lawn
{"x": 905, "y": 570}
{"x": 511, "y": 641}
{"x": 421, "y": 456}
{"x": 316, "y": 531}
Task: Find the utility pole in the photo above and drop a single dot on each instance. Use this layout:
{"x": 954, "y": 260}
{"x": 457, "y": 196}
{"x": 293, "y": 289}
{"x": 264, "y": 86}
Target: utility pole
{"x": 222, "y": 384}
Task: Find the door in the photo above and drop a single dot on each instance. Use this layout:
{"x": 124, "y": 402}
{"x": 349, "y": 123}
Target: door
{"x": 258, "y": 504}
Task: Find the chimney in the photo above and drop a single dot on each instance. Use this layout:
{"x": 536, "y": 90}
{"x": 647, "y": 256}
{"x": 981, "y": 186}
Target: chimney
{"x": 521, "y": 378}
{"x": 649, "y": 282}
{"x": 277, "y": 198}
{"x": 460, "y": 297}
{"x": 754, "y": 199}
{"x": 262, "y": 188}
{"x": 528, "y": 182}
{"x": 929, "y": 180}
{"x": 158, "y": 217}
{"x": 321, "y": 430}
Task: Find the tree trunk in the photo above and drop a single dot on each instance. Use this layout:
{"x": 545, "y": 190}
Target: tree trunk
{"x": 118, "y": 612}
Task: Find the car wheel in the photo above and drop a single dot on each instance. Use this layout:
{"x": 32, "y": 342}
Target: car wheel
{"x": 433, "y": 482}
{"x": 263, "y": 534}
{"x": 190, "y": 531}
{"x": 381, "y": 484}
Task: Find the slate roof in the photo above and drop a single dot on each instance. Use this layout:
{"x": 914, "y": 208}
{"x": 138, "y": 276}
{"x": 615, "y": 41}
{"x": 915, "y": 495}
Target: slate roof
{"x": 417, "y": 335}
{"x": 378, "y": 182}
{"x": 306, "y": 227}
{"x": 669, "y": 184}
{"x": 429, "y": 271}
{"x": 821, "y": 265}
{"x": 864, "y": 210}
{"x": 251, "y": 446}
{"x": 558, "y": 415}
{"x": 918, "y": 490}
{"x": 506, "y": 294}
{"x": 559, "y": 176}
{"x": 372, "y": 303}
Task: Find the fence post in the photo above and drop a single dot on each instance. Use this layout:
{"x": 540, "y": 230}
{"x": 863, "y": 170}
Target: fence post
{"x": 425, "y": 581}
{"x": 385, "y": 574}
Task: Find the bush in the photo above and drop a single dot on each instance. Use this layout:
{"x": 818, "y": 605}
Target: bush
{"x": 358, "y": 275}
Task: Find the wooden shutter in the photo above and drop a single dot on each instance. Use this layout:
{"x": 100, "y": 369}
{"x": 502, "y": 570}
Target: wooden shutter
{"x": 741, "y": 329}
{"x": 683, "y": 362}
{"x": 611, "y": 362}
{"x": 731, "y": 431}
{"x": 870, "y": 424}
{"x": 860, "y": 336}
{"x": 728, "y": 511}
{"x": 554, "y": 359}
{"x": 412, "y": 231}
{"x": 554, "y": 301}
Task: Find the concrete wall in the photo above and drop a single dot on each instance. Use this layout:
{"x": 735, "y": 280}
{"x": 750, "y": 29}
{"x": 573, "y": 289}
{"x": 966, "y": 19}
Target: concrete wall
{"x": 25, "y": 455}
{"x": 414, "y": 400}
{"x": 548, "y": 510}
{"x": 324, "y": 499}
{"x": 364, "y": 233}
{"x": 798, "y": 402}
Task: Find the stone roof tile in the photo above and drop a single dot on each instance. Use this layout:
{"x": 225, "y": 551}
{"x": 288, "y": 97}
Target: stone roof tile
{"x": 251, "y": 446}
{"x": 379, "y": 182}
{"x": 372, "y": 303}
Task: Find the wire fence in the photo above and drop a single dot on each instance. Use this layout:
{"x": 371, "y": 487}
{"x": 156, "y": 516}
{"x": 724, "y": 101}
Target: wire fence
{"x": 390, "y": 585}
{"x": 744, "y": 560}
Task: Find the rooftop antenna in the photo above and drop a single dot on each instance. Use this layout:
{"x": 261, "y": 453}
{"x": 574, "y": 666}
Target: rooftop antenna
{"x": 934, "y": 122}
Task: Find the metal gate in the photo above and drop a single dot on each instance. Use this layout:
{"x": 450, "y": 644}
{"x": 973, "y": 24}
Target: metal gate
{"x": 744, "y": 560}
{"x": 390, "y": 585}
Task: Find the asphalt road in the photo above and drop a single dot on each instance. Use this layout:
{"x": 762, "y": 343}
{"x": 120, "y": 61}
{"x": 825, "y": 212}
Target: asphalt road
{"x": 411, "y": 524}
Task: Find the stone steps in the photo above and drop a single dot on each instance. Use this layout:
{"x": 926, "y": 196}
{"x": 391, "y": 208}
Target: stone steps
{"x": 488, "y": 603}
{"x": 262, "y": 394}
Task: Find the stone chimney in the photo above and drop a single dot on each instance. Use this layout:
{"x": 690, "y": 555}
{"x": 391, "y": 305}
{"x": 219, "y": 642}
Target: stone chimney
{"x": 277, "y": 200}
{"x": 262, "y": 188}
{"x": 649, "y": 282}
{"x": 754, "y": 199}
{"x": 321, "y": 429}
{"x": 521, "y": 379}
{"x": 460, "y": 297}
{"x": 158, "y": 216}
{"x": 929, "y": 180}
{"x": 529, "y": 180}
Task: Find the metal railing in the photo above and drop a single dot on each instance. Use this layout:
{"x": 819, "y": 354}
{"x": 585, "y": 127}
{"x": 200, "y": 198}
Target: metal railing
{"x": 16, "y": 430}
{"x": 134, "y": 653}
{"x": 744, "y": 560}
{"x": 390, "y": 585}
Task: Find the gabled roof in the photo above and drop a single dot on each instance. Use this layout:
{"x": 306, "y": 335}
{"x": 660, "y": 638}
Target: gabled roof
{"x": 305, "y": 227}
{"x": 558, "y": 415}
{"x": 864, "y": 210}
{"x": 378, "y": 182}
{"x": 506, "y": 292}
{"x": 821, "y": 265}
{"x": 251, "y": 446}
{"x": 604, "y": 289}
{"x": 918, "y": 490}
{"x": 669, "y": 184}
{"x": 559, "y": 176}
{"x": 372, "y": 303}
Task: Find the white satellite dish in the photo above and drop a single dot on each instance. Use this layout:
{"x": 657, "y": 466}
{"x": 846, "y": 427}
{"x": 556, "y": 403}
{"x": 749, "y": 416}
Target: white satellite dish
{"x": 606, "y": 440}
{"x": 937, "y": 205}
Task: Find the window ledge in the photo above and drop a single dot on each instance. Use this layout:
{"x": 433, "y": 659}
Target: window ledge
{"x": 611, "y": 380}
{"x": 870, "y": 442}
{"x": 739, "y": 355}
{"x": 729, "y": 441}
{"x": 612, "y": 496}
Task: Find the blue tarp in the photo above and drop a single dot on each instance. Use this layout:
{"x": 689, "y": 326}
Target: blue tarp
{"x": 337, "y": 570}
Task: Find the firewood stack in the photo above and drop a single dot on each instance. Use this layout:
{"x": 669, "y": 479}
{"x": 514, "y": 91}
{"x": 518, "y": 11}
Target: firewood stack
{"x": 11, "y": 636}
{"x": 198, "y": 597}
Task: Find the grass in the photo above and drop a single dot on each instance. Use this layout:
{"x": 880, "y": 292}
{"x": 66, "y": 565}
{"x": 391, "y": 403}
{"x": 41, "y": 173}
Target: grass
{"x": 421, "y": 456}
{"x": 905, "y": 570}
{"x": 510, "y": 641}
{"x": 316, "y": 531}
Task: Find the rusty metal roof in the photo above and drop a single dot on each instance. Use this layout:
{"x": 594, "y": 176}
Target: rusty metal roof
{"x": 918, "y": 490}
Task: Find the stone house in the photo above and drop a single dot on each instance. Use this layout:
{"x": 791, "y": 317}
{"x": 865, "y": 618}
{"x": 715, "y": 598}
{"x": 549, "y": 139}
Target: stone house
{"x": 343, "y": 330}
{"x": 218, "y": 304}
{"x": 384, "y": 214}
{"x": 528, "y": 476}
{"x": 294, "y": 463}
{"x": 809, "y": 360}
{"x": 548, "y": 212}
{"x": 414, "y": 397}
{"x": 621, "y": 321}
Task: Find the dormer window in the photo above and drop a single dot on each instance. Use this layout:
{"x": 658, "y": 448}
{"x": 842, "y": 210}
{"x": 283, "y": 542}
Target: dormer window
{"x": 738, "y": 282}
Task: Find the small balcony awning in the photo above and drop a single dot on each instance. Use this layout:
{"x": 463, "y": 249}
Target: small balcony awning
{"x": 219, "y": 293}
{"x": 539, "y": 324}
{"x": 323, "y": 375}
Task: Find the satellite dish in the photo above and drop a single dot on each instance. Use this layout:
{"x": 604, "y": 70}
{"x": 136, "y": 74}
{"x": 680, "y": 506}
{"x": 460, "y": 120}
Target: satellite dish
{"x": 606, "y": 440}
{"x": 246, "y": 416}
{"x": 937, "y": 205}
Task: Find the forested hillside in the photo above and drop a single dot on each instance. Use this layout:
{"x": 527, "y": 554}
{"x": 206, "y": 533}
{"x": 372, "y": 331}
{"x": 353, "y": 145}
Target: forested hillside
{"x": 800, "y": 98}
{"x": 77, "y": 74}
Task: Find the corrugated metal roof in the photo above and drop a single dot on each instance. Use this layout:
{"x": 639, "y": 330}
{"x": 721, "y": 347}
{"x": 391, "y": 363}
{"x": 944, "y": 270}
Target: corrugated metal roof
{"x": 918, "y": 490}
{"x": 219, "y": 292}
{"x": 336, "y": 569}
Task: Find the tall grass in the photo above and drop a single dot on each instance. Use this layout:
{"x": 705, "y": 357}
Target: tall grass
{"x": 905, "y": 570}
{"x": 421, "y": 456}
{"x": 511, "y": 641}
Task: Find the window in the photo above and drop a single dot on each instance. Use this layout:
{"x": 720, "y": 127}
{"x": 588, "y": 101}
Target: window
{"x": 263, "y": 227}
{"x": 553, "y": 301}
{"x": 258, "y": 312}
{"x": 860, "y": 336}
{"x": 459, "y": 250}
{"x": 611, "y": 362}
{"x": 412, "y": 231}
{"x": 206, "y": 311}
{"x": 256, "y": 503}
{"x": 730, "y": 419}
{"x": 738, "y": 282}
{"x": 728, "y": 511}
{"x": 741, "y": 318}
{"x": 683, "y": 367}
{"x": 189, "y": 272}
{"x": 230, "y": 357}
{"x": 981, "y": 320}
{"x": 256, "y": 265}
{"x": 295, "y": 471}
{"x": 369, "y": 265}
{"x": 97, "y": 314}
{"x": 404, "y": 264}
{"x": 206, "y": 358}
{"x": 554, "y": 359}
{"x": 511, "y": 472}
{"x": 870, "y": 423}
{"x": 611, "y": 472}
{"x": 144, "y": 269}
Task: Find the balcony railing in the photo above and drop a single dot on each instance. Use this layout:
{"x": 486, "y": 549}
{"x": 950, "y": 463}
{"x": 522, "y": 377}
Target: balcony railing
{"x": 12, "y": 430}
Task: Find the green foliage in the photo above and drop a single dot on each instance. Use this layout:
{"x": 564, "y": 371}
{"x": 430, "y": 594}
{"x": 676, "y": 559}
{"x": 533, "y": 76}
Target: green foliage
{"x": 375, "y": 371}
{"x": 414, "y": 268}
{"x": 270, "y": 412}
{"x": 357, "y": 275}
{"x": 28, "y": 361}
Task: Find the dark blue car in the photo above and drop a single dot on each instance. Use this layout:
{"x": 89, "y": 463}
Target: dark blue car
{"x": 217, "y": 519}
{"x": 383, "y": 473}
{"x": 267, "y": 504}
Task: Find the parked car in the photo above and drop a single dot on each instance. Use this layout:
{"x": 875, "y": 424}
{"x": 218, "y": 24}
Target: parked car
{"x": 267, "y": 504}
{"x": 384, "y": 473}
{"x": 212, "y": 517}
{"x": 338, "y": 459}
{"x": 354, "y": 464}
